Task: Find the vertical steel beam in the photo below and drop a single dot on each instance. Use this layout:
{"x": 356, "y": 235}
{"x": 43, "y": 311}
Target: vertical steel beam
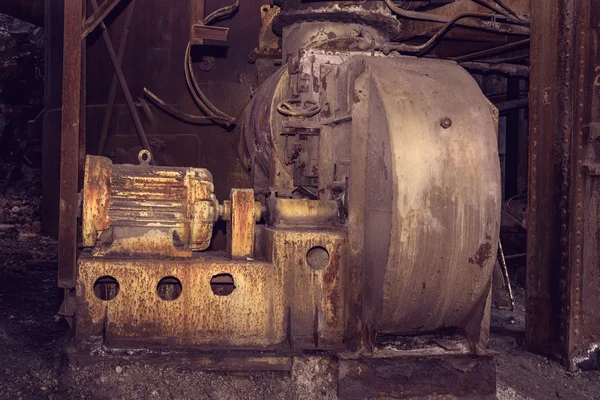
{"x": 196, "y": 15}
{"x": 83, "y": 108}
{"x": 69, "y": 154}
{"x": 563, "y": 282}
{"x": 584, "y": 244}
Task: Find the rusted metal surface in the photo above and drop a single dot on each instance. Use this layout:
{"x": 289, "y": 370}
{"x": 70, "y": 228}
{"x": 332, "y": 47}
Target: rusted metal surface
{"x": 96, "y": 193}
{"x": 200, "y": 33}
{"x": 199, "y": 28}
{"x": 196, "y": 14}
{"x": 313, "y": 293}
{"x": 584, "y": 285}
{"x": 132, "y": 210}
{"x": 304, "y": 212}
{"x": 544, "y": 272}
{"x": 269, "y": 44}
{"x": 413, "y": 204}
{"x": 507, "y": 69}
{"x": 289, "y": 300}
{"x": 83, "y": 110}
{"x": 375, "y": 15}
{"x": 267, "y": 56}
{"x": 251, "y": 316}
{"x": 240, "y": 228}
{"x": 69, "y": 168}
{"x": 563, "y": 282}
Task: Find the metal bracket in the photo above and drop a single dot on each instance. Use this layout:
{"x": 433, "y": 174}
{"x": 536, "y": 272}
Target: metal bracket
{"x": 201, "y": 32}
{"x": 594, "y": 131}
{"x": 592, "y": 169}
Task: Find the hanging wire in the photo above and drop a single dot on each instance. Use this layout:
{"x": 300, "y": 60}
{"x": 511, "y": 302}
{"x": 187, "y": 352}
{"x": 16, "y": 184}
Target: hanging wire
{"x": 207, "y": 107}
{"x": 197, "y": 94}
{"x": 221, "y": 13}
{"x": 185, "y": 117}
{"x": 425, "y": 16}
{"x": 504, "y": 13}
{"x": 427, "y": 46}
{"x": 510, "y": 11}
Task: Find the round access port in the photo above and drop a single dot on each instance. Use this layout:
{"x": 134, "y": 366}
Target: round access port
{"x": 169, "y": 288}
{"x": 106, "y": 288}
{"x": 317, "y": 257}
{"x": 222, "y": 284}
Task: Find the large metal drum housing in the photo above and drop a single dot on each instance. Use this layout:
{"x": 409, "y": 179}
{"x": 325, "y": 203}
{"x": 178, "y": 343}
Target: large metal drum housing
{"x": 424, "y": 181}
{"x": 432, "y": 217}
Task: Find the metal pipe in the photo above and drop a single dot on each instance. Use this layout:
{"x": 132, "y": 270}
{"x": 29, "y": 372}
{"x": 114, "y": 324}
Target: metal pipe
{"x": 303, "y": 212}
{"x": 419, "y": 16}
{"x": 507, "y": 8}
{"x": 512, "y": 104}
{"x": 497, "y": 7}
{"x": 425, "y": 47}
{"x": 509, "y": 69}
{"x": 125, "y": 88}
{"x": 423, "y": 16}
{"x": 505, "y": 276}
{"x": 185, "y": 117}
{"x": 224, "y": 12}
{"x": 492, "y": 51}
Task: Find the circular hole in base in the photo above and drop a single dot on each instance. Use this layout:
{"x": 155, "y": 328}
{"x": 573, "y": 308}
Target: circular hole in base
{"x": 169, "y": 288}
{"x": 106, "y": 288}
{"x": 222, "y": 284}
{"x": 317, "y": 257}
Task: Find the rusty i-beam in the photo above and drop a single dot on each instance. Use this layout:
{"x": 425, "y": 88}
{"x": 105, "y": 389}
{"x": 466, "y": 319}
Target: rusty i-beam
{"x": 563, "y": 267}
{"x": 69, "y": 153}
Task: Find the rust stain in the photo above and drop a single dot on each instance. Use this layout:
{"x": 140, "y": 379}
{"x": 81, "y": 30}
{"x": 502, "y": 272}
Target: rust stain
{"x": 482, "y": 255}
{"x": 251, "y": 316}
{"x": 241, "y": 225}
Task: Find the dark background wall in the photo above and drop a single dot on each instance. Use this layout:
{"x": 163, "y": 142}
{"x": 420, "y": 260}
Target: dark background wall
{"x": 154, "y": 59}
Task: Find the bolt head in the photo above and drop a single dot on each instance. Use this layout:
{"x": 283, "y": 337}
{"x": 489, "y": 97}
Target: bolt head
{"x": 446, "y": 122}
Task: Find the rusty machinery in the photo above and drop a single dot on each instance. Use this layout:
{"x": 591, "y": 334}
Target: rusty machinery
{"x": 369, "y": 231}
